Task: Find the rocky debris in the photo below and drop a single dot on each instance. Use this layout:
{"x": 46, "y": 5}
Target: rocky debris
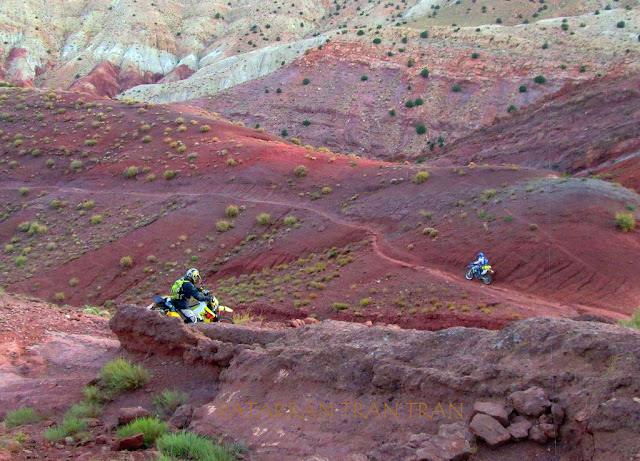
{"x": 353, "y": 362}
{"x": 181, "y": 417}
{"x": 296, "y": 323}
{"x": 128, "y": 414}
{"x": 489, "y": 429}
{"x": 135, "y": 442}
{"x": 519, "y": 430}
{"x": 496, "y": 410}
{"x": 532, "y": 402}
{"x": 453, "y": 442}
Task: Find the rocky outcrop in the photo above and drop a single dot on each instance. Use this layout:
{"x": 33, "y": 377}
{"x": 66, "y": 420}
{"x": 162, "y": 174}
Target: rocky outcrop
{"x": 109, "y": 80}
{"x": 225, "y": 73}
{"x": 317, "y": 389}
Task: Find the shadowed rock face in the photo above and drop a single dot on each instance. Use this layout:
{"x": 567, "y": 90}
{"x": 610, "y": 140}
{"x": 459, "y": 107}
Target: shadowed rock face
{"x": 590, "y": 370}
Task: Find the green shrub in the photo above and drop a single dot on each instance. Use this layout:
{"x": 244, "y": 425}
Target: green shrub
{"x": 232, "y": 211}
{"x": 205, "y": 128}
{"x": 169, "y": 174}
{"x": 76, "y": 165}
{"x": 306, "y": 122}
{"x": 264, "y": 219}
{"x": 539, "y": 79}
{"x": 306, "y": 81}
{"x": 168, "y": 401}
{"x": 90, "y": 142}
{"x": 456, "y": 88}
{"x": 365, "y": 302}
{"x": 409, "y": 104}
{"x": 147, "y": 139}
{"x": 430, "y": 231}
{"x": 152, "y": 428}
{"x": 424, "y": 34}
{"x": 475, "y": 55}
{"x": 92, "y": 394}
{"x": 420, "y": 177}
{"x": 620, "y": 24}
{"x": 21, "y": 417}
{"x": 511, "y": 108}
{"x": 131, "y": 172}
{"x": 377, "y": 41}
{"x": 54, "y": 434}
{"x": 300, "y": 171}
{"x": 96, "y": 219}
{"x": 364, "y": 78}
{"x": 421, "y": 129}
{"x": 223, "y": 226}
{"x": 290, "y": 220}
{"x": 625, "y": 221}
{"x": 121, "y": 375}
{"x": 187, "y": 445}
{"x": 634, "y": 322}
{"x": 24, "y": 191}
{"x": 84, "y": 410}
{"x": 340, "y": 307}
{"x": 126, "y": 262}
{"x": 523, "y": 89}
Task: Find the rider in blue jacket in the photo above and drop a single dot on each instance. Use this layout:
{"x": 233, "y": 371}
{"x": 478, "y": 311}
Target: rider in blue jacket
{"x": 478, "y": 263}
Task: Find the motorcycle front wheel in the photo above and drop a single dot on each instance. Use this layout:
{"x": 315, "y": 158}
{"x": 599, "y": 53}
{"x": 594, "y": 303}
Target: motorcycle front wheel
{"x": 226, "y": 319}
{"x": 469, "y": 274}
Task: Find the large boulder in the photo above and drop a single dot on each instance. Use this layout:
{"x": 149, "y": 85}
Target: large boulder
{"x": 532, "y": 402}
{"x": 489, "y": 429}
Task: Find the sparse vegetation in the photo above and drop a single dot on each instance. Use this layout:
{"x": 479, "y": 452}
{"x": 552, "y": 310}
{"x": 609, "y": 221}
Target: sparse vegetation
{"x": 625, "y": 221}
{"x": 205, "y": 128}
{"x": 420, "y": 177}
{"x": 168, "y": 401}
{"x": 152, "y": 428}
{"x": 264, "y": 219}
{"x": 300, "y": 171}
{"x": 539, "y": 79}
{"x": 232, "y": 211}
{"x": 290, "y": 220}
{"x": 169, "y": 174}
{"x": 187, "y": 445}
{"x": 223, "y": 226}
{"x": 21, "y": 417}
{"x": 121, "y": 375}
{"x": 131, "y": 172}
{"x": 126, "y": 262}
{"x": 634, "y": 322}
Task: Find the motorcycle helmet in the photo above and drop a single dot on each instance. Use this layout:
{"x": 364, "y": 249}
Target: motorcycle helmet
{"x": 193, "y": 274}
{"x": 480, "y": 255}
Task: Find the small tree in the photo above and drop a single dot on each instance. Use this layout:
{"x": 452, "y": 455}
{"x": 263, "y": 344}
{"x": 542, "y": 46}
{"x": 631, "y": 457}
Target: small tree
{"x": 424, "y": 73}
{"x": 539, "y": 79}
{"x": 421, "y": 129}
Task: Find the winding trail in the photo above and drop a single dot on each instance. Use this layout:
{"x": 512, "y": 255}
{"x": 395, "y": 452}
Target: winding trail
{"x": 377, "y": 240}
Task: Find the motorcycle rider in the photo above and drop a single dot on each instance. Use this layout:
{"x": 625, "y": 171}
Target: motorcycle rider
{"x": 186, "y": 288}
{"x": 478, "y": 263}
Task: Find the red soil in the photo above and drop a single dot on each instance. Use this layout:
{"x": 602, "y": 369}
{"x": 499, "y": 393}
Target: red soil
{"x": 366, "y": 234}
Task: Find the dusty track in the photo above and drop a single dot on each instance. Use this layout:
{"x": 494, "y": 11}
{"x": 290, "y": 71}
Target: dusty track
{"x": 379, "y": 246}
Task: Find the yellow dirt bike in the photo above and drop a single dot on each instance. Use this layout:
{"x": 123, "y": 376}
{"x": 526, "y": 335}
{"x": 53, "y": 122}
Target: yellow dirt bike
{"x": 205, "y": 311}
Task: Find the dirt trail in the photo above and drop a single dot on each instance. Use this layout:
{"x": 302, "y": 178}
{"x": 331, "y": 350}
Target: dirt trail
{"x": 378, "y": 246}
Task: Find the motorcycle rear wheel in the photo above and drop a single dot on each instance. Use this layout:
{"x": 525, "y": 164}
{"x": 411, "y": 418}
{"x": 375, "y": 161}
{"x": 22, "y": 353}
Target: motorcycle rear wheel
{"x": 487, "y": 279}
{"x": 226, "y": 319}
